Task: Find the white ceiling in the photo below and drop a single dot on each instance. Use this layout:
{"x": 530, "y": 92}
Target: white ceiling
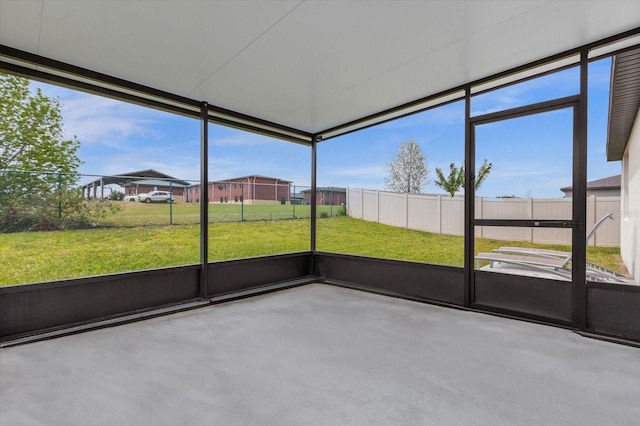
{"x": 310, "y": 65}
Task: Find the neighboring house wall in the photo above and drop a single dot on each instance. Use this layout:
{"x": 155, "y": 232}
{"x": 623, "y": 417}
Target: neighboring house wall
{"x": 266, "y": 189}
{"x": 630, "y": 223}
{"x": 605, "y": 187}
{"x": 327, "y": 197}
{"x": 193, "y": 194}
{"x": 249, "y": 189}
{"x": 614, "y": 192}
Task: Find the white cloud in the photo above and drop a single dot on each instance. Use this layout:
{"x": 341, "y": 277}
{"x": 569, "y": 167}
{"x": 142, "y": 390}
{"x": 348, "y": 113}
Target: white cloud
{"x": 95, "y": 119}
{"x": 98, "y": 119}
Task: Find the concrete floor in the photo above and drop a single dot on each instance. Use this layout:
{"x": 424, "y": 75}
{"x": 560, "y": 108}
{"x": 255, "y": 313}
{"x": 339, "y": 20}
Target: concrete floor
{"x": 321, "y": 355}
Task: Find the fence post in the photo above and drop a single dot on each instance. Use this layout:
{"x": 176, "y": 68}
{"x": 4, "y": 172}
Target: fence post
{"x": 530, "y": 213}
{"x": 377, "y": 206}
{"x": 594, "y": 218}
{"x": 361, "y": 203}
{"x": 331, "y": 204}
{"x": 170, "y": 202}
{"x": 347, "y": 206}
{"x": 59, "y": 195}
{"x": 406, "y": 210}
{"x": 242, "y": 202}
{"x": 439, "y": 214}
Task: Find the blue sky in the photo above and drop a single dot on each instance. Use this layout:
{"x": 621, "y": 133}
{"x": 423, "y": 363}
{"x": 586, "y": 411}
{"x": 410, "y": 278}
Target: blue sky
{"x": 117, "y": 137}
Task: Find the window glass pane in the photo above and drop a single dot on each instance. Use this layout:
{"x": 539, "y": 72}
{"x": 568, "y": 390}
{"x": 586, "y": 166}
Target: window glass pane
{"x": 86, "y": 184}
{"x": 531, "y": 167}
{"x": 258, "y": 195}
{"x": 390, "y": 212}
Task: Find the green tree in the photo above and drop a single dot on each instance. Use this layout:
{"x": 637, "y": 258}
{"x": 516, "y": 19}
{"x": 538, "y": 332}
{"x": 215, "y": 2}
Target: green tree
{"x": 116, "y": 195}
{"x": 37, "y": 163}
{"x": 407, "y": 171}
{"x": 31, "y": 135}
{"x": 483, "y": 173}
{"x": 455, "y": 181}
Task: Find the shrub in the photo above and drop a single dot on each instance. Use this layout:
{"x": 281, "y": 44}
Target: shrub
{"x": 64, "y": 209}
{"x": 116, "y": 195}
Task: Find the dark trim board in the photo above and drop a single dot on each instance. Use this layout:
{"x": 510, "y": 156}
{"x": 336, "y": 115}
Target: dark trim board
{"x": 614, "y": 310}
{"x": 46, "y": 307}
{"x": 34, "y": 308}
{"x": 239, "y": 275}
{"x": 64, "y": 306}
{"x": 526, "y": 297}
{"x": 413, "y": 280}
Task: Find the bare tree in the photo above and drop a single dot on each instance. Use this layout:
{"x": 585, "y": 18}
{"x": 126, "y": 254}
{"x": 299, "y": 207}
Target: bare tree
{"x": 407, "y": 171}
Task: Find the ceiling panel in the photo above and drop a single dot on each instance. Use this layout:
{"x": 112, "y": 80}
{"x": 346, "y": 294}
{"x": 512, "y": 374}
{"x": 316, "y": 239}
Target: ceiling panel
{"x": 310, "y": 65}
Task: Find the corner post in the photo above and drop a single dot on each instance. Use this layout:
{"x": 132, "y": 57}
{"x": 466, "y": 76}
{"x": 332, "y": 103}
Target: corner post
{"x": 314, "y": 163}
{"x": 204, "y": 199}
{"x": 579, "y": 247}
{"x": 469, "y": 202}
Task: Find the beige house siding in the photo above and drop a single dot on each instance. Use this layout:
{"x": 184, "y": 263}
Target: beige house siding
{"x": 630, "y": 223}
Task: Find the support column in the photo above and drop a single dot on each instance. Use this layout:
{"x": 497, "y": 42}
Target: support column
{"x": 469, "y": 202}
{"x": 314, "y": 201}
{"x": 579, "y": 234}
{"x": 204, "y": 199}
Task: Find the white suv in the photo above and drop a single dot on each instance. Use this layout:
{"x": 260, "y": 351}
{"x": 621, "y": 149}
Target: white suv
{"x": 156, "y": 197}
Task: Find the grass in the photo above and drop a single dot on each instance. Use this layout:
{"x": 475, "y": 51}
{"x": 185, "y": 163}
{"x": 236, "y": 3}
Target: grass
{"x": 44, "y": 256}
{"x": 377, "y": 240}
{"x": 137, "y": 214}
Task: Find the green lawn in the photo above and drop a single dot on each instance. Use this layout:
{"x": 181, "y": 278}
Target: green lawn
{"x": 43, "y": 256}
{"x": 179, "y": 213}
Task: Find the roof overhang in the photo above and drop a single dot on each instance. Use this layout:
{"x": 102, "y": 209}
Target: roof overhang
{"x": 306, "y": 66}
{"x": 149, "y": 177}
{"x": 624, "y": 101}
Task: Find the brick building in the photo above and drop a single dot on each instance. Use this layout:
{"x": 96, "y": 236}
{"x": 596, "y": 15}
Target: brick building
{"x": 327, "y": 196}
{"x": 254, "y": 189}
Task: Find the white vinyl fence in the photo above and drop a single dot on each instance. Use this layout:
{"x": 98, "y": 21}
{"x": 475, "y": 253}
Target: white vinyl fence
{"x": 443, "y": 214}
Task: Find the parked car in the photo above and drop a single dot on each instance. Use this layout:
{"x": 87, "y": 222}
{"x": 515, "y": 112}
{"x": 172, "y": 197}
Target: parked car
{"x": 156, "y": 197}
{"x": 130, "y": 198}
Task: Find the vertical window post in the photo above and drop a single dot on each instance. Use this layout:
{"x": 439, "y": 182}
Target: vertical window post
{"x": 579, "y": 250}
{"x": 204, "y": 199}
{"x": 314, "y": 162}
{"x": 469, "y": 202}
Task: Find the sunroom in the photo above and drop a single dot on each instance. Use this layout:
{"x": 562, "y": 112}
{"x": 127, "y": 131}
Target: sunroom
{"x": 324, "y": 95}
